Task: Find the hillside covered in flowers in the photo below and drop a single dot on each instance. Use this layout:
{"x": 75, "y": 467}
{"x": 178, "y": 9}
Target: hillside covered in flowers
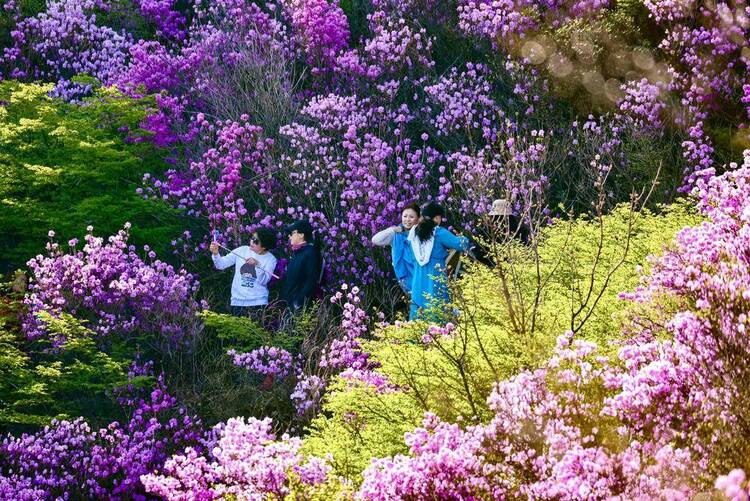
{"x": 596, "y": 350}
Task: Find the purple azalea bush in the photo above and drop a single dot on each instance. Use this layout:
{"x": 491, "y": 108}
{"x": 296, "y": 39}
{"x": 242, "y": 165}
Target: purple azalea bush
{"x": 343, "y": 113}
{"x": 266, "y": 360}
{"x": 65, "y": 40}
{"x": 70, "y": 458}
{"x": 702, "y": 83}
{"x": 114, "y": 289}
{"x": 246, "y": 461}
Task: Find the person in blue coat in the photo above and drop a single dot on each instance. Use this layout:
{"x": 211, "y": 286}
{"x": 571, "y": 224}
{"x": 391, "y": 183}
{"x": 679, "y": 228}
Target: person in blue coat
{"x": 430, "y": 243}
{"x": 402, "y": 257}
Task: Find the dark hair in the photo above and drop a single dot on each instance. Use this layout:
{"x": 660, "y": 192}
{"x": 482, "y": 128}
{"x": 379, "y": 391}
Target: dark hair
{"x": 266, "y": 237}
{"x": 432, "y": 209}
{"x": 426, "y": 226}
{"x": 304, "y": 227}
{"x": 412, "y": 206}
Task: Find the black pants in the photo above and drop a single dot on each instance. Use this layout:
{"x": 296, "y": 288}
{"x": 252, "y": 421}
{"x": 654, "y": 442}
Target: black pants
{"x": 253, "y": 312}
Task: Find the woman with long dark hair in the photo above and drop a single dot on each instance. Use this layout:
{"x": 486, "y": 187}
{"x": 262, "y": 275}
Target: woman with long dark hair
{"x": 402, "y": 257}
{"x": 430, "y": 243}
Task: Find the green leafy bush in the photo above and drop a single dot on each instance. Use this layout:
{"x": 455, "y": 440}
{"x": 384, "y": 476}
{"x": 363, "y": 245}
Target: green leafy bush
{"x": 358, "y": 424}
{"x": 452, "y": 373}
{"x": 39, "y": 382}
{"x": 65, "y": 167}
{"x": 244, "y": 334}
{"x": 576, "y": 262}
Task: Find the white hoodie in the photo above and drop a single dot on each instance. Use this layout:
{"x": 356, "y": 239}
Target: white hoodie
{"x": 249, "y": 286}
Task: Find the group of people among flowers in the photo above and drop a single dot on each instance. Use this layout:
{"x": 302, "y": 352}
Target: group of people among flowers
{"x": 254, "y": 267}
{"x": 419, "y": 248}
{"x": 420, "y": 251}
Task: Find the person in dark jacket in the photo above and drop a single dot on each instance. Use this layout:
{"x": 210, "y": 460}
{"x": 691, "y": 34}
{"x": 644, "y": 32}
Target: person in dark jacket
{"x": 303, "y": 269}
{"x": 502, "y": 226}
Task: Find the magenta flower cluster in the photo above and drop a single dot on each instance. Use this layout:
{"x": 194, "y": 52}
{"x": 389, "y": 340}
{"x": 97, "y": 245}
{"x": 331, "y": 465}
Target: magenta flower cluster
{"x": 438, "y": 333}
{"x": 169, "y": 22}
{"x": 266, "y": 360}
{"x": 320, "y": 31}
{"x": 64, "y": 41}
{"x": 343, "y": 356}
{"x": 733, "y": 485}
{"x": 465, "y": 105}
{"x": 669, "y": 10}
{"x": 113, "y": 288}
{"x": 246, "y": 462}
{"x": 368, "y": 378}
{"x": 497, "y": 20}
{"x": 642, "y": 101}
{"x": 705, "y": 48}
{"x": 684, "y": 387}
{"x": 214, "y": 187}
{"x": 225, "y": 35}
{"x": 72, "y": 92}
{"x": 307, "y": 394}
{"x": 69, "y": 458}
{"x": 345, "y": 350}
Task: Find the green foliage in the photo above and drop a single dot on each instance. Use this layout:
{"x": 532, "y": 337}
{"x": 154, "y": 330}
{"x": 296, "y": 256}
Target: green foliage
{"x": 206, "y": 380}
{"x": 65, "y": 167}
{"x": 647, "y": 154}
{"x": 126, "y": 15}
{"x": 453, "y": 374}
{"x": 39, "y": 382}
{"x": 210, "y": 385}
{"x": 356, "y": 13}
{"x": 729, "y": 141}
{"x": 358, "y": 424}
{"x": 15, "y": 373}
{"x": 572, "y": 249}
{"x": 334, "y": 488}
{"x": 244, "y": 334}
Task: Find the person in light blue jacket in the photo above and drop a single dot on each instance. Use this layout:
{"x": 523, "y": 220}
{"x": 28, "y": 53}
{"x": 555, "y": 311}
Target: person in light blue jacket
{"x": 402, "y": 257}
{"x": 430, "y": 244}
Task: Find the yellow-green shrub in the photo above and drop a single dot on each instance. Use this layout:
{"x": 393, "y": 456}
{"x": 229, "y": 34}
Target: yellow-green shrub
{"x": 453, "y": 374}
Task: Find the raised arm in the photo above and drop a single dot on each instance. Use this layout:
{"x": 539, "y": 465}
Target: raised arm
{"x": 452, "y": 241}
{"x": 224, "y": 262}
{"x": 384, "y": 237}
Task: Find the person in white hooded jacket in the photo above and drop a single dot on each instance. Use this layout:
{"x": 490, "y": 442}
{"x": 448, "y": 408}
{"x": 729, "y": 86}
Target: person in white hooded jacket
{"x": 254, "y": 266}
